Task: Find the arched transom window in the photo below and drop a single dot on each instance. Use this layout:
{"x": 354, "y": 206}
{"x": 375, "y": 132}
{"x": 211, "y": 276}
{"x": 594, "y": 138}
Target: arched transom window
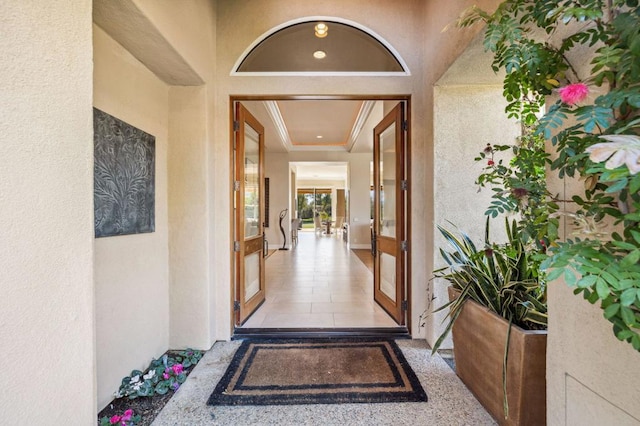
{"x": 320, "y": 45}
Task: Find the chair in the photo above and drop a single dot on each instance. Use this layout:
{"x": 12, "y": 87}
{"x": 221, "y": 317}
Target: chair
{"x": 295, "y": 224}
{"x": 317, "y": 224}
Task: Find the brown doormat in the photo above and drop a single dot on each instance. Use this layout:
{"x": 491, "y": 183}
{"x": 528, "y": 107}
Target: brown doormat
{"x": 318, "y": 371}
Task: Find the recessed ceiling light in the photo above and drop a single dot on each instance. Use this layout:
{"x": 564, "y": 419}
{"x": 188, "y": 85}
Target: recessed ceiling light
{"x": 321, "y": 30}
{"x": 319, "y": 136}
{"x": 319, "y": 54}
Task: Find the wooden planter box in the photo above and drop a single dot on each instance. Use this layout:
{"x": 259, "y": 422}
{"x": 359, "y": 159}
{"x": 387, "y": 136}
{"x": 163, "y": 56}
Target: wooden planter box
{"x": 479, "y": 338}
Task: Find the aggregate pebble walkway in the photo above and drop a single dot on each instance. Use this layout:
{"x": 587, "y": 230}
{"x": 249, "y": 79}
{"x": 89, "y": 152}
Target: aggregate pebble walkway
{"x": 450, "y": 402}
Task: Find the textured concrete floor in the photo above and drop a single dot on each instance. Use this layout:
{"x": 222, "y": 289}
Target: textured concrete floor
{"x": 450, "y": 403}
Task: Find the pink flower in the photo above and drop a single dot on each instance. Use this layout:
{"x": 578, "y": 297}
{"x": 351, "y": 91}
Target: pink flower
{"x": 573, "y": 93}
{"x": 115, "y": 419}
{"x": 165, "y": 376}
{"x": 490, "y": 163}
{"x": 126, "y": 416}
{"x": 177, "y": 369}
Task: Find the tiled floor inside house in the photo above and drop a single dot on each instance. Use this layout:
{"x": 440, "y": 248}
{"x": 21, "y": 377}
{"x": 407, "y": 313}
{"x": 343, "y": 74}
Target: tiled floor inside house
{"x": 318, "y": 283}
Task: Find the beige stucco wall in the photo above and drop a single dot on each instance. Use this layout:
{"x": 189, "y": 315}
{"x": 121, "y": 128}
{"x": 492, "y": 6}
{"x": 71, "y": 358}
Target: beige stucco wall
{"x": 131, "y": 272}
{"x": 592, "y": 377}
{"x": 461, "y": 132}
{"x": 46, "y": 214}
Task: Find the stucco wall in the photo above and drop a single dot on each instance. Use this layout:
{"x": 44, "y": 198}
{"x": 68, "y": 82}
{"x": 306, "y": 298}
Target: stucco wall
{"x": 592, "y": 377}
{"x": 46, "y": 214}
{"x": 460, "y": 133}
{"x": 131, "y": 272}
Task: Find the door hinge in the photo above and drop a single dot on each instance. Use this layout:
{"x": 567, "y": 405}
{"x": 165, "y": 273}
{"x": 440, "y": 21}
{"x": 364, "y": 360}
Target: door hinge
{"x": 404, "y": 245}
{"x": 236, "y": 246}
{"x": 236, "y": 305}
{"x": 404, "y": 185}
{"x": 404, "y": 305}
{"x": 236, "y": 185}
{"x": 405, "y": 125}
{"x": 236, "y": 125}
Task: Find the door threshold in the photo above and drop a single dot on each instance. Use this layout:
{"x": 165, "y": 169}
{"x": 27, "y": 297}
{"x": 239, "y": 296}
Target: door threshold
{"x": 320, "y": 333}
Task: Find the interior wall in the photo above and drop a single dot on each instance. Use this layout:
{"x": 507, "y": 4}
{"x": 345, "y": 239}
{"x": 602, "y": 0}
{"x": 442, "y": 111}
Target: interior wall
{"x": 131, "y": 271}
{"x": 46, "y": 218}
{"x": 277, "y": 170}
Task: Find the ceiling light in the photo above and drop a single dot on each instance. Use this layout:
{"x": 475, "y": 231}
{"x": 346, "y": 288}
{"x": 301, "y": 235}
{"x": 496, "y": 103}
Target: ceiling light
{"x": 319, "y": 137}
{"x": 319, "y": 54}
{"x": 321, "y": 30}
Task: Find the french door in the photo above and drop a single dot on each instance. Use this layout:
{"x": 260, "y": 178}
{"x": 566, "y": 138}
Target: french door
{"x": 389, "y": 243}
{"x": 249, "y": 206}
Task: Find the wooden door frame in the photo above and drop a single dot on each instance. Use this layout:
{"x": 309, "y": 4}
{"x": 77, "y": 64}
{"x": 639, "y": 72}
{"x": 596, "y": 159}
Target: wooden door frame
{"x": 398, "y": 98}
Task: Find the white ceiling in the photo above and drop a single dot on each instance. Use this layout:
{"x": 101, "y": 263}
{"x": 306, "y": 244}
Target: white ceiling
{"x": 293, "y": 125}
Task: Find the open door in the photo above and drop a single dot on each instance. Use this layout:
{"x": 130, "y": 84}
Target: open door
{"x": 249, "y": 202}
{"x": 389, "y": 244}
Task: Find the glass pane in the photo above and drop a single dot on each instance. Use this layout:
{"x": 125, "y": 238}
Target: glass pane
{"x": 251, "y": 182}
{"x": 387, "y": 212}
{"x": 251, "y": 275}
{"x": 388, "y": 275}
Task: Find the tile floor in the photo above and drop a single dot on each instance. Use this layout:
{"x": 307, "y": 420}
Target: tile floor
{"x": 319, "y": 283}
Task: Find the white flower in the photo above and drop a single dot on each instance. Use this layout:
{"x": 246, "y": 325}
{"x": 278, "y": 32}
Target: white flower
{"x": 134, "y": 379}
{"x": 623, "y": 149}
{"x": 149, "y": 375}
{"x": 117, "y": 394}
{"x": 137, "y": 386}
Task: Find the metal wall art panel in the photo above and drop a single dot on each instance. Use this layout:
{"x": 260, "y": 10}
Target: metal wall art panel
{"x": 123, "y": 178}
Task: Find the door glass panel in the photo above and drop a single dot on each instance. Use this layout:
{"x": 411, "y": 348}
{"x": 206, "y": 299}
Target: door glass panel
{"x": 251, "y": 275}
{"x": 251, "y": 182}
{"x": 387, "y": 212}
{"x": 388, "y": 275}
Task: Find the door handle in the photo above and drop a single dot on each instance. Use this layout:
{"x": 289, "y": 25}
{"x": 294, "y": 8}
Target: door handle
{"x": 374, "y": 245}
{"x": 265, "y": 246}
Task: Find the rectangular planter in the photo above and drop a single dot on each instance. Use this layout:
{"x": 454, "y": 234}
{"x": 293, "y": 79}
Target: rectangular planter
{"x": 479, "y": 338}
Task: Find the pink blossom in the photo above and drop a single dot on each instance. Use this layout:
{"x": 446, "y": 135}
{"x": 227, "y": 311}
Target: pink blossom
{"x": 490, "y": 163}
{"x": 177, "y": 369}
{"x": 165, "y": 376}
{"x": 126, "y": 416}
{"x": 115, "y": 419}
{"x": 573, "y": 93}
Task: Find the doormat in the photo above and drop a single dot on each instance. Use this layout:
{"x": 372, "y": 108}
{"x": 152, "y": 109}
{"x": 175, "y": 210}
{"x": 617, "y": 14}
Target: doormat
{"x": 317, "y": 371}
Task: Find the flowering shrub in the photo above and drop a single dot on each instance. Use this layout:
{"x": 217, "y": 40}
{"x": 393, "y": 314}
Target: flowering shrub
{"x": 597, "y": 140}
{"x": 164, "y": 374}
{"x": 125, "y": 419}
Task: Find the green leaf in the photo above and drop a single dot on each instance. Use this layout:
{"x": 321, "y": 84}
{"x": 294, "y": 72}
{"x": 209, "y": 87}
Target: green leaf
{"x": 630, "y": 259}
{"x": 587, "y": 281}
{"x": 627, "y": 316}
{"x": 611, "y": 310}
{"x": 628, "y": 296}
{"x": 602, "y": 289}
{"x": 569, "y": 277}
{"x": 554, "y": 274}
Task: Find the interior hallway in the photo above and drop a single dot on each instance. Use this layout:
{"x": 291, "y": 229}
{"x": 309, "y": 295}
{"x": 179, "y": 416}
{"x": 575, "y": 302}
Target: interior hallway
{"x": 318, "y": 283}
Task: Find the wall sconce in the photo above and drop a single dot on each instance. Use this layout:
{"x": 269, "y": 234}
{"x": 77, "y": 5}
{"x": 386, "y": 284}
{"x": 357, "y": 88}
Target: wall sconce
{"x": 321, "y": 30}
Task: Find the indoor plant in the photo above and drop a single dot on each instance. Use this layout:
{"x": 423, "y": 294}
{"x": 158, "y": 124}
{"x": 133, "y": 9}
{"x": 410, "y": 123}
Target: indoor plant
{"x": 497, "y": 295}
